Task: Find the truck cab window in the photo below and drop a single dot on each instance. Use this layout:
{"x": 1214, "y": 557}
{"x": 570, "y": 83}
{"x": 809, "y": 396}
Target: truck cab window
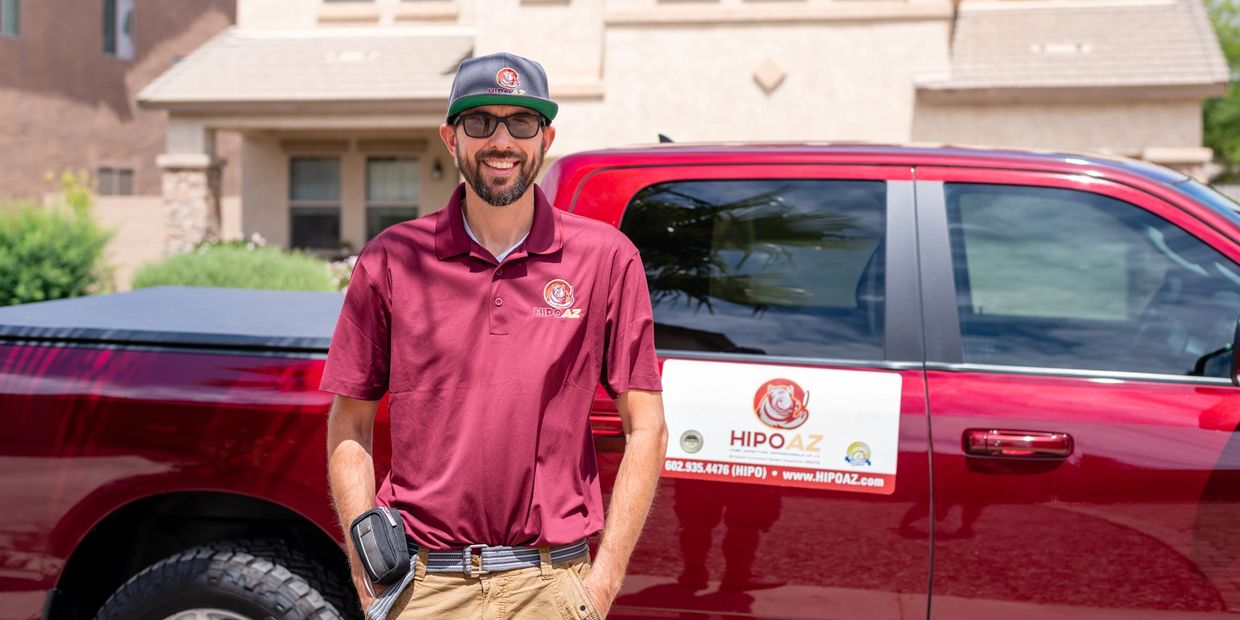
{"x": 776, "y": 267}
{"x": 1057, "y": 278}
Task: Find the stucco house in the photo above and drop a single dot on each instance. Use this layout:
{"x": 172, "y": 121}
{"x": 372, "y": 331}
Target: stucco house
{"x": 337, "y": 103}
{"x": 70, "y": 72}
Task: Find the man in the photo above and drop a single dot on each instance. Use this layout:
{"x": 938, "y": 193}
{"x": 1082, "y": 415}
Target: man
{"x": 490, "y": 323}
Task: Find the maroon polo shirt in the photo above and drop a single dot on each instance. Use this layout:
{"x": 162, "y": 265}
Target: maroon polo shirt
{"x": 492, "y": 369}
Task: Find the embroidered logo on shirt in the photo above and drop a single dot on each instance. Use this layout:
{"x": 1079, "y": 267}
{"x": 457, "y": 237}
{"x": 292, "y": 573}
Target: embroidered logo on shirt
{"x": 558, "y": 294}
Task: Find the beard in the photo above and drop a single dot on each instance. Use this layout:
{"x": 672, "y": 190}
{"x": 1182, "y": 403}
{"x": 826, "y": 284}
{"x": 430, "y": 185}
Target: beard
{"x": 493, "y": 192}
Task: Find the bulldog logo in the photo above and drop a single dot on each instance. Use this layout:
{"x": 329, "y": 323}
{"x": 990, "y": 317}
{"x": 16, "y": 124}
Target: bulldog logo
{"x": 781, "y": 403}
{"x": 508, "y": 78}
{"x": 558, "y": 294}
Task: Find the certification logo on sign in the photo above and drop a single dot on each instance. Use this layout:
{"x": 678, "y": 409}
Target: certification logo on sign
{"x": 782, "y": 425}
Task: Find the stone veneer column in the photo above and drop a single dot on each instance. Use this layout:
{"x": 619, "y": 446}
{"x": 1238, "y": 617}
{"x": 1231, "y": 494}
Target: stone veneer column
{"x": 191, "y": 190}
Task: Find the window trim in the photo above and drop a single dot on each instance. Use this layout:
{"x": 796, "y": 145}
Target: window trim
{"x": 944, "y": 346}
{"x": 1080, "y": 373}
{"x": 938, "y": 283}
{"x": 902, "y": 329}
{"x": 790, "y": 360}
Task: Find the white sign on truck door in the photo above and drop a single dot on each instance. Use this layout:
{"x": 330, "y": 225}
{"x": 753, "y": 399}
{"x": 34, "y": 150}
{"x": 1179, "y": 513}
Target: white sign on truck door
{"x": 782, "y": 425}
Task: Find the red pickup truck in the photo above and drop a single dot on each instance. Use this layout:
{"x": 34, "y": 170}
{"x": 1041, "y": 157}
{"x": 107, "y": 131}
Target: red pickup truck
{"x": 900, "y": 382}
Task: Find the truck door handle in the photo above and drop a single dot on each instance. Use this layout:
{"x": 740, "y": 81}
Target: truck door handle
{"x": 1019, "y": 444}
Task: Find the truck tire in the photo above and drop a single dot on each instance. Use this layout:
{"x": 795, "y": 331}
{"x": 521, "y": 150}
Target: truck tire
{"x": 235, "y": 580}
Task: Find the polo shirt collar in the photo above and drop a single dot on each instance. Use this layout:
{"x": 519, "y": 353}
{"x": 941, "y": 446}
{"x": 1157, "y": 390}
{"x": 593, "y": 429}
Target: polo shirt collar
{"x": 452, "y": 240}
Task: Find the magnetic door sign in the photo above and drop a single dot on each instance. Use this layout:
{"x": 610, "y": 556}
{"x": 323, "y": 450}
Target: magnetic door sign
{"x": 782, "y": 425}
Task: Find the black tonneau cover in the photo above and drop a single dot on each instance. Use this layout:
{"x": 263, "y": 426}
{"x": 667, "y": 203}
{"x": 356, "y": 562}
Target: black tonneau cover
{"x": 182, "y": 316}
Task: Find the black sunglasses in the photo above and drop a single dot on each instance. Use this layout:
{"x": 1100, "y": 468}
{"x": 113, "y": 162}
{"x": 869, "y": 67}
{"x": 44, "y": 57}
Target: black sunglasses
{"x": 521, "y": 125}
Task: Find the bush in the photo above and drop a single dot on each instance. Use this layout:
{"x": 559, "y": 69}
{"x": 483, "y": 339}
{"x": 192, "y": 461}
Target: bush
{"x": 342, "y": 271}
{"x": 51, "y": 252}
{"x": 238, "y": 265}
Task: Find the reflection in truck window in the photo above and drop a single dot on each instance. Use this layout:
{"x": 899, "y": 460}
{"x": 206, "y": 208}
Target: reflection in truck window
{"x": 777, "y": 267}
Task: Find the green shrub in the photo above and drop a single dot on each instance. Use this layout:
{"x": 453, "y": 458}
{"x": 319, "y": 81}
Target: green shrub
{"x": 51, "y": 252}
{"x": 238, "y": 265}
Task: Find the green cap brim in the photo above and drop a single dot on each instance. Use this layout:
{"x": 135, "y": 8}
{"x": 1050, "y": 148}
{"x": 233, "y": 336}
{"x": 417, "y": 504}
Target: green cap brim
{"x": 542, "y": 106}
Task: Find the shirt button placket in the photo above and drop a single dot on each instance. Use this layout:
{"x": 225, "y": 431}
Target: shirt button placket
{"x": 499, "y": 317}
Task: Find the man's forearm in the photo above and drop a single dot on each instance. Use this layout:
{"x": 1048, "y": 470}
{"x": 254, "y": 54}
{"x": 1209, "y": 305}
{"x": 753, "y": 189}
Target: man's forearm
{"x": 630, "y": 503}
{"x": 351, "y": 472}
{"x": 632, "y": 493}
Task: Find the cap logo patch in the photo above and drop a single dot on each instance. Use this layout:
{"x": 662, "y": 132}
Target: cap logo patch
{"x": 508, "y": 78}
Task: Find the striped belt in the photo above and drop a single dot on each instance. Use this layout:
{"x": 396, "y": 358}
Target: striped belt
{"x": 473, "y": 560}
{"x": 477, "y": 560}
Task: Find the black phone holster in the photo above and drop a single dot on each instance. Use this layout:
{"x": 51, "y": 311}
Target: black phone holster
{"x": 379, "y": 537}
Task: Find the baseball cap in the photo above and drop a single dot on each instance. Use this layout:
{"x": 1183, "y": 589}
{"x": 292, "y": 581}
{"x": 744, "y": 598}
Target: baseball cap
{"x": 501, "y": 79}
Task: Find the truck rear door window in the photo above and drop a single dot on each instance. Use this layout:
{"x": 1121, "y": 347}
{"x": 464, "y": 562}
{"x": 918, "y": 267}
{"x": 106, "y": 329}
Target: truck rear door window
{"x": 776, "y": 267}
{"x": 1059, "y": 278}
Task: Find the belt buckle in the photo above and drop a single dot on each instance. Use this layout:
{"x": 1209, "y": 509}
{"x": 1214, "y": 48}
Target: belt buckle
{"x": 469, "y": 556}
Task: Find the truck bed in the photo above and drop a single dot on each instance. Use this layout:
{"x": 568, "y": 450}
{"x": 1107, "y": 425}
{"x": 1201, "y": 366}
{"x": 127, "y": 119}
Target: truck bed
{"x": 182, "y": 316}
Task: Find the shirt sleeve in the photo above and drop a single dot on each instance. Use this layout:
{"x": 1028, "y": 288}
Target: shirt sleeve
{"x": 629, "y": 358}
{"x": 359, "y": 356}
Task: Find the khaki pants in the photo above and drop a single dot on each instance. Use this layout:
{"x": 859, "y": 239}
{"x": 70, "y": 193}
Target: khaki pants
{"x": 551, "y": 590}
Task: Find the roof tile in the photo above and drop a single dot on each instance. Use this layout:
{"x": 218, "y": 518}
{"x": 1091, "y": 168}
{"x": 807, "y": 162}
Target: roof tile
{"x": 1063, "y": 43}
{"x": 321, "y": 65}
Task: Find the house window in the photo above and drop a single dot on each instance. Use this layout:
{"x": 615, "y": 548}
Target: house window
{"x": 10, "y": 17}
{"x": 115, "y": 182}
{"x": 392, "y": 189}
{"x": 118, "y": 28}
{"x": 314, "y": 202}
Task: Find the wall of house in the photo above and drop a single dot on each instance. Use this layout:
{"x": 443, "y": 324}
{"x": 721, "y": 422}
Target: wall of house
{"x": 265, "y": 14}
{"x": 626, "y": 70}
{"x": 138, "y": 222}
{"x": 230, "y": 217}
{"x": 566, "y": 38}
{"x": 1122, "y": 127}
{"x": 264, "y": 188}
{"x": 699, "y": 84}
{"x": 68, "y": 105}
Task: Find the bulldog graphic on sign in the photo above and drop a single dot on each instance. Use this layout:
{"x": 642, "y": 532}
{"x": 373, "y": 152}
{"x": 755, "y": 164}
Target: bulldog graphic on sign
{"x": 781, "y": 403}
